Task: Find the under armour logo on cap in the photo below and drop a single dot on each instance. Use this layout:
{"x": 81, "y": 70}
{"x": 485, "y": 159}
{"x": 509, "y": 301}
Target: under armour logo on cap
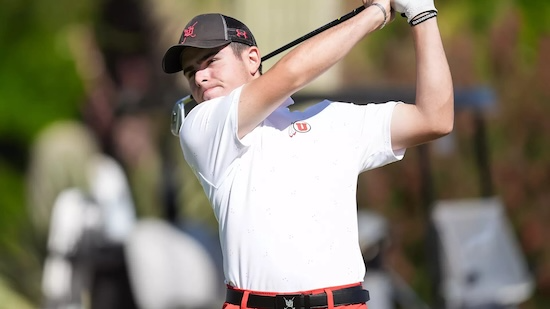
{"x": 241, "y": 33}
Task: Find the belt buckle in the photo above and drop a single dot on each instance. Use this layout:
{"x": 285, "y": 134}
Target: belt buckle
{"x": 291, "y": 301}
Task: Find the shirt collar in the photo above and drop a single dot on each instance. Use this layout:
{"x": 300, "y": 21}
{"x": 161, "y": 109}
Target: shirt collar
{"x": 289, "y": 101}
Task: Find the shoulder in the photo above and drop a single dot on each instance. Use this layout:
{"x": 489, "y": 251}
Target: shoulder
{"x": 214, "y": 110}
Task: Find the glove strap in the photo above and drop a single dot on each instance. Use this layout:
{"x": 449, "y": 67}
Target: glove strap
{"x": 420, "y": 18}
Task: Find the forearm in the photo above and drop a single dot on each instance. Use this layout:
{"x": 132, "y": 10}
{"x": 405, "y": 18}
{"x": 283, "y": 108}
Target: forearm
{"x": 434, "y": 88}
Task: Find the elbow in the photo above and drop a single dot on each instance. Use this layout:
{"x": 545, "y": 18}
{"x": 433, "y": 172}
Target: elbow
{"x": 441, "y": 123}
{"x": 447, "y": 124}
{"x": 445, "y": 129}
{"x": 444, "y": 125}
{"x": 438, "y": 130}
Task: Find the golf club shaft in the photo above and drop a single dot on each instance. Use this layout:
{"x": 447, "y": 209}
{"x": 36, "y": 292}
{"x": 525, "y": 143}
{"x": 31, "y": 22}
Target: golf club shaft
{"x": 314, "y": 33}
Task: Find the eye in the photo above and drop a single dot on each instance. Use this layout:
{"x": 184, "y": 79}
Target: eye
{"x": 189, "y": 74}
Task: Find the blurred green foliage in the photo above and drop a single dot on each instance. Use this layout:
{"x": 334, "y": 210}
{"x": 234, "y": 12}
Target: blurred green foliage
{"x": 38, "y": 80}
{"x": 8, "y": 299}
{"x": 535, "y": 24}
{"x": 38, "y": 85}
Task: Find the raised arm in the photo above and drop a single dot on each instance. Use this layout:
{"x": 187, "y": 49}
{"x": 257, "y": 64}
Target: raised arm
{"x": 432, "y": 115}
{"x": 261, "y": 96}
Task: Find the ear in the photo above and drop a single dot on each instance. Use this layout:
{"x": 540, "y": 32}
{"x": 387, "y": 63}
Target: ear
{"x": 253, "y": 60}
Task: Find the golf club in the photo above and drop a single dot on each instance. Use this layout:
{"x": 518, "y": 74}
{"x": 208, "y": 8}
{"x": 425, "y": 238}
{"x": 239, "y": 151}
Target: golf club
{"x": 313, "y": 33}
{"x": 184, "y": 105}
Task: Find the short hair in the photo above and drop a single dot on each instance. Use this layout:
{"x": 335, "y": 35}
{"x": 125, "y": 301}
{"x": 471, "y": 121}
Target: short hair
{"x": 239, "y": 48}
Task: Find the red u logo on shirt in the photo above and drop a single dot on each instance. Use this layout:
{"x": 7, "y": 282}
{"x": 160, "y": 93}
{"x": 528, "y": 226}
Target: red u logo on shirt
{"x": 298, "y": 127}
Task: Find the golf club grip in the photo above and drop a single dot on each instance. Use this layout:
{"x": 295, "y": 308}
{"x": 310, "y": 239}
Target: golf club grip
{"x": 314, "y": 33}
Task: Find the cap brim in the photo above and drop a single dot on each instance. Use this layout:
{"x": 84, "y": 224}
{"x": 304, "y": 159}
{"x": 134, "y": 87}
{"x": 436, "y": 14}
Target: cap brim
{"x": 171, "y": 62}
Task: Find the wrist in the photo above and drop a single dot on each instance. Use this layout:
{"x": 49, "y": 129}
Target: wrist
{"x": 384, "y": 13}
{"x": 422, "y": 17}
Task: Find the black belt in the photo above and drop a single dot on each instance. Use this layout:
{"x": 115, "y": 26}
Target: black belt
{"x": 347, "y": 296}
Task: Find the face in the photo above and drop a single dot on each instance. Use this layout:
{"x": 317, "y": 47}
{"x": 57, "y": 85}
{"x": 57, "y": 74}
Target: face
{"x": 213, "y": 73}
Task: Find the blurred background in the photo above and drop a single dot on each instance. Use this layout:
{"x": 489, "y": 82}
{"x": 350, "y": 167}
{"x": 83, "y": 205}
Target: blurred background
{"x": 84, "y": 120}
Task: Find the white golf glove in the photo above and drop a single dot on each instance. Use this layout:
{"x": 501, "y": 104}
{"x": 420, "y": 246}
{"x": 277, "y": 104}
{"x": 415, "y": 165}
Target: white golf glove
{"x": 413, "y": 8}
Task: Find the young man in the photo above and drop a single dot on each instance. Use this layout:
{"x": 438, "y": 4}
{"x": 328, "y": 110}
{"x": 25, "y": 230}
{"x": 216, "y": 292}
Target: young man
{"x": 283, "y": 184}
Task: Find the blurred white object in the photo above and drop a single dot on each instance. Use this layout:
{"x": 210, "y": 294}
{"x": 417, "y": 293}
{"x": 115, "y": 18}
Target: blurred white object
{"x": 81, "y": 219}
{"x": 57, "y": 278}
{"x": 72, "y": 215}
{"x": 109, "y": 188}
{"x": 373, "y": 228}
{"x": 380, "y": 288}
{"x": 373, "y": 235}
{"x": 386, "y": 287}
{"x": 481, "y": 261}
{"x": 67, "y": 221}
{"x": 170, "y": 269}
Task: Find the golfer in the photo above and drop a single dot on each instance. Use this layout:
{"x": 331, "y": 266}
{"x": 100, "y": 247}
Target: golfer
{"x": 282, "y": 183}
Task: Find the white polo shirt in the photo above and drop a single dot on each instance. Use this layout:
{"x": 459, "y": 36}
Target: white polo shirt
{"x": 285, "y": 195}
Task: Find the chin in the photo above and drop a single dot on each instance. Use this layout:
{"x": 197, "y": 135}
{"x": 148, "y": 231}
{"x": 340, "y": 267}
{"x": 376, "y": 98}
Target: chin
{"x": 210, "y": 95}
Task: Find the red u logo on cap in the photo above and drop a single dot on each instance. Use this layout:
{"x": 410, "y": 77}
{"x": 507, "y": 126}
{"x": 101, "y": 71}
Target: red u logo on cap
{"x": 189, "y": 32}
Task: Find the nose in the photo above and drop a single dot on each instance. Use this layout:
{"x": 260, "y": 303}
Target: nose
{"x": 201, "y": 76}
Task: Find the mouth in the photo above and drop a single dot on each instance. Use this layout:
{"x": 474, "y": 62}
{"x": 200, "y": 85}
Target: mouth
{"x": 208, "y": 94}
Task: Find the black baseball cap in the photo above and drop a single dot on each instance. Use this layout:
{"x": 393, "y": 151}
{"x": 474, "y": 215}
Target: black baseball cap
{"x": 207, "y": 31}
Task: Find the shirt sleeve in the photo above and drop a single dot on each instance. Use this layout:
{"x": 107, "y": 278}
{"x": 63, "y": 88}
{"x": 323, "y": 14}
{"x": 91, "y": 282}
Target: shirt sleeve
{"x": 370, "y": 128}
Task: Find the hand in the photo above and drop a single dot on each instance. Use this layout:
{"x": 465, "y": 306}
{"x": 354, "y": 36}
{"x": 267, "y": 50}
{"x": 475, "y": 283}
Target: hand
{"x": 412, "y": 8}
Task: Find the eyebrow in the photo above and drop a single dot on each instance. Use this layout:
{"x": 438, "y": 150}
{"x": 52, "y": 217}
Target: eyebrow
{"x": 208, "y": 55}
